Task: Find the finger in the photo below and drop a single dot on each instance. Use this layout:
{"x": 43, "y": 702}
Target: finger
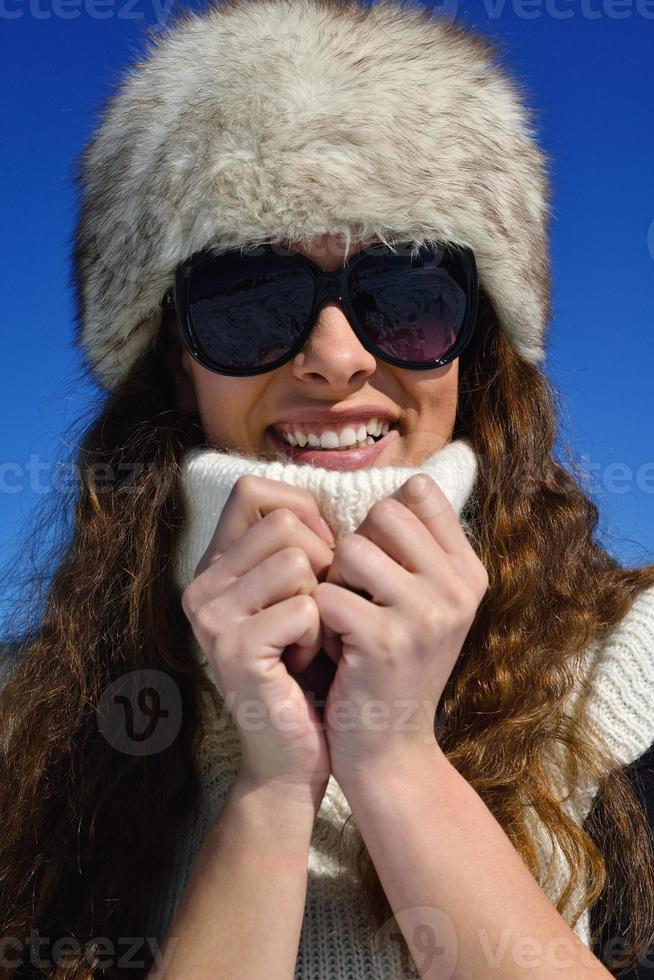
{"x": 398, "y": 532}
{"x": 281, "y": 575}
{"x": 294, "y": 620}
{"x": 341, "y": 611}
{"x": 279, "y": 529}
{"x": 360, "y": 566}
{"x": 402, "y": 536}
{"x": 251, "y": 498}
{"x": 427, "y": 501}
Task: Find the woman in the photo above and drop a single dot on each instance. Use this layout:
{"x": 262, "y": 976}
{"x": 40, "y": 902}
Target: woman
{"x": 308, "y": 223}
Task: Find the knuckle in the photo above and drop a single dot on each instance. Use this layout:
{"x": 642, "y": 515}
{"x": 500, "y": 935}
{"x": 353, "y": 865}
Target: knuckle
{"x": 466, "y": 598}
{"x": 245, "y": 487}
{"x": 209, "y": 619}
{"x": 393, "y": 644}
{"x": 229, "y": 653}
{"x": 194, "y": 596}
{"x": 418, "y": 487}
{"x": 188, "y": 601}
{"x": 282, "y": 519}
{"x": 432, "y": 617}
{"x": 482, "y": 579}
{"x": 306, "y": 606}
{"x": 295, "y": 559}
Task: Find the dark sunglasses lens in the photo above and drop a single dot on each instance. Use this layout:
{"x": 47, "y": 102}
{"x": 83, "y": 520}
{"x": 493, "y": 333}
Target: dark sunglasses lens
{"x": 412, "y": 308}
{"x": 247, "y": 310}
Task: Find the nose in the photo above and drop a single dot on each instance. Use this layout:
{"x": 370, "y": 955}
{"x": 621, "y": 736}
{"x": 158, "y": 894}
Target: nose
{"x": 333, "y": 356}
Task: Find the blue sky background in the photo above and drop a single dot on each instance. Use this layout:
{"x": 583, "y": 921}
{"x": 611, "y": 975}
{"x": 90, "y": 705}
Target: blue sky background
{"x": 587, "y": 66}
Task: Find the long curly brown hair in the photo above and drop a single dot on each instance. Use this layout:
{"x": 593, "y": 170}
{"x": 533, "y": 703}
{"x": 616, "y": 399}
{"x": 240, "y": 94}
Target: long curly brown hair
{"x": 89, "y": 831}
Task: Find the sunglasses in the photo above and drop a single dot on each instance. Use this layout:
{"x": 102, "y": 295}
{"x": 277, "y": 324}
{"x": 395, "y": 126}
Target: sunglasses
{"x": 248, "y": 312}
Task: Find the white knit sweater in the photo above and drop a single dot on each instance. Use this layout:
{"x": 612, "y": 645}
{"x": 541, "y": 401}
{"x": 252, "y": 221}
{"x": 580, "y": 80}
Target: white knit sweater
{"x": 620, "y": 671}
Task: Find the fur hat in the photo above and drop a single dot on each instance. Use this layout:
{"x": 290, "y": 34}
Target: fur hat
{"x": 258, "y": 121}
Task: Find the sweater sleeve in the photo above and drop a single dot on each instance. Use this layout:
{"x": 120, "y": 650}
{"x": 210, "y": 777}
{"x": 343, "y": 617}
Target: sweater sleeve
{"x": 641, "y": 776}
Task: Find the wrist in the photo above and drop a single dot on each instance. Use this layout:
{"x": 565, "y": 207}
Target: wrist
{"x": 291, "y": 803}
{"x": 391, "y": 772}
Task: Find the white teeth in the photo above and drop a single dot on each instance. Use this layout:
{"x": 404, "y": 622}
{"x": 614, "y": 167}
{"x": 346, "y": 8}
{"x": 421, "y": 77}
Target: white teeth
{"x": 329, "y": 440}
{"x": 364, "y": 435}
{"x": 348, "y": 437}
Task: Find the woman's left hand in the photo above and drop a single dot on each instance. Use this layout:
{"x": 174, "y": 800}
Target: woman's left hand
{"x": 396, "y": 647}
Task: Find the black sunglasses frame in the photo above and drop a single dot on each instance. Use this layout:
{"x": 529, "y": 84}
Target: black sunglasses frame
{"x": 328, "y": 286}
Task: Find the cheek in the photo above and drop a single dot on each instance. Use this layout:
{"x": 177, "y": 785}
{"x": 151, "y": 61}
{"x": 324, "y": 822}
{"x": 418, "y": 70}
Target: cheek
{"x": 433, "y": 392}
{"x": 227, "y": 406}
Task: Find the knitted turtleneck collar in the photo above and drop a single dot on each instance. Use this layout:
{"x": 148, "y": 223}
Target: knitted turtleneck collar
{"x": 344, "y": 497}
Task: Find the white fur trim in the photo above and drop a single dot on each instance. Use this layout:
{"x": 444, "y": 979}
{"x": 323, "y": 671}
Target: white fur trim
{"x": 266, "y": 120}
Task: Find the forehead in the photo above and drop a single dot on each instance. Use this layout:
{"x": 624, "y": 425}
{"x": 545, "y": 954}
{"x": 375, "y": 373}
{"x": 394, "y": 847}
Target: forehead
{"x": 328, "y": 249}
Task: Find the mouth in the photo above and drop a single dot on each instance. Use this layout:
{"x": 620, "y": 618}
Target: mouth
{"x": 346, "y": 458}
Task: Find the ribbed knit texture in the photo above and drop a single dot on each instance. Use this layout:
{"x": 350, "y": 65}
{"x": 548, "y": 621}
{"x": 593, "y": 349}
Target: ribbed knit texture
{"x": 344, "y": 497}
{"x": 620, "y": 671}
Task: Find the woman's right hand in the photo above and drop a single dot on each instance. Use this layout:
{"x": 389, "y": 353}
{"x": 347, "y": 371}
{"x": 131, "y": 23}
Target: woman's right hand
{"x": 248, "y": 601}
